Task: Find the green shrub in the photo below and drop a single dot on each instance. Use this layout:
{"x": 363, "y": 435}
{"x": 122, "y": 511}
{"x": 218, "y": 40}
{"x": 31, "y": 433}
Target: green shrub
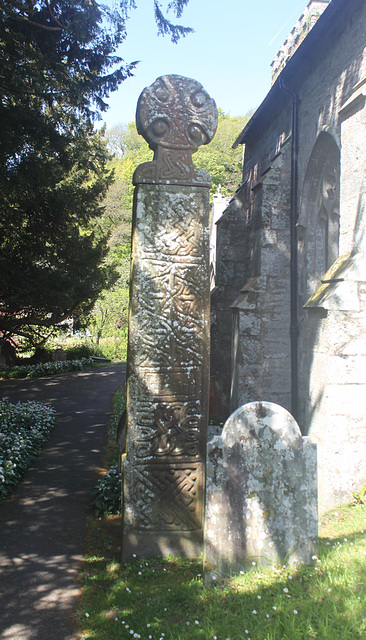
{"x": 47, "y": 368}
{"x": 24, "y": 428}
{"x": 106, "y": 495}
{"x": 82, "y": 350}
{"x": 115, "y": 348}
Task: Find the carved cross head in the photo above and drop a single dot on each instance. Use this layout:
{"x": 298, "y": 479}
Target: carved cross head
{"x": 175, "y": 115}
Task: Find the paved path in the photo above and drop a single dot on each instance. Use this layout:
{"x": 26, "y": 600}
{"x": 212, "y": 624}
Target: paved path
{"x": 42, "y": 525}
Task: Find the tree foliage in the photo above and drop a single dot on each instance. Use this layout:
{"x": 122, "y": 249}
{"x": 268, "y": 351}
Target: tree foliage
{"x": 108, "y": 317}
{"x": 58, "y": 64}
{"x": 219, "y": 159}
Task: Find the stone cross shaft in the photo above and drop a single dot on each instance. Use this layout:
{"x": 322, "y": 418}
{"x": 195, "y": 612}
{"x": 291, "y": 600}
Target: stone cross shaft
{"x": 168, "y": 358}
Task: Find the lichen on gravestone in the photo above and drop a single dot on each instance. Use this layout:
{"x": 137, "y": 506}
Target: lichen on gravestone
{"x": 261, "y": 493}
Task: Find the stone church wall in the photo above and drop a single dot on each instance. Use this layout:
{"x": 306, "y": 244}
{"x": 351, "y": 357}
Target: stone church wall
{"x": 260, "y": 341}
{"x": 329, "y": 79}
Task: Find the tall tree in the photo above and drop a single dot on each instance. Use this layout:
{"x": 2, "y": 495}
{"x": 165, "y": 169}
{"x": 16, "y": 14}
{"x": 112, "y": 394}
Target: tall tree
{"x": 57, "y": 66}
{"x": 219, "y": 159}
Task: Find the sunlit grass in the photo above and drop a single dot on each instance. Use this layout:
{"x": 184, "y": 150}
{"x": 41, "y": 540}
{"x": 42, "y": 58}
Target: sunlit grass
{"x": 164, "y": 599}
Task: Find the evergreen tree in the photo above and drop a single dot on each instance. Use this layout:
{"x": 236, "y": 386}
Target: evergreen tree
{"x": 57, "y": 66}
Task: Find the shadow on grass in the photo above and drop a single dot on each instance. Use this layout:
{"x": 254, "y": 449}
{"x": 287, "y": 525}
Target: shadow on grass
{"x": 161, "y": 598}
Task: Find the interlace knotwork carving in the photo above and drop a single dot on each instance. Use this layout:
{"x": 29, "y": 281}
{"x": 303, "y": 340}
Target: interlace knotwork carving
{"x": 175, "y": 115}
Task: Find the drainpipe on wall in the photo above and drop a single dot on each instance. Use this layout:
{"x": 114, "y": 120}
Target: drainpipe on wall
{"x": 294, "y": 324}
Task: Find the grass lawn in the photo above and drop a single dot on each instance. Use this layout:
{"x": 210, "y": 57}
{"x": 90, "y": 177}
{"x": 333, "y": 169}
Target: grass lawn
{"x": 164, "y": 598}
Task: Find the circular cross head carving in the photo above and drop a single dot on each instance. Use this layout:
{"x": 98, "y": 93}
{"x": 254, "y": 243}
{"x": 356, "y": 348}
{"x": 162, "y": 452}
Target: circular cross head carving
{"x": 176, "y": 113}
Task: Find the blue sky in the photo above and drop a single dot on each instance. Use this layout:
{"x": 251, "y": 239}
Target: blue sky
{"x": 229, "y": 53}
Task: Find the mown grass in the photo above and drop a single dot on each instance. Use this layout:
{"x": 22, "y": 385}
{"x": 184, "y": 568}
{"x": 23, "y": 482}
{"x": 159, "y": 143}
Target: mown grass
{"x": 164, "y": 598}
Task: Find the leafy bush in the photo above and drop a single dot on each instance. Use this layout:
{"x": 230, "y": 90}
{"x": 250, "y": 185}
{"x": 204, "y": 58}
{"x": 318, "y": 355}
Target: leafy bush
{"x": 106, "y": 495}
{"x": 83, "y": 350}
{"x": 47, "y": 368}
{"x": 24, "y": 428}
{"x": 115, "y": 347}
{"x": 359, "y": 498}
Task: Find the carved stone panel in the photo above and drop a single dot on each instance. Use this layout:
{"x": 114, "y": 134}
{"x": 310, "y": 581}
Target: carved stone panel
{"x": 168, "y": 371}
{"x": 175, "y": 115}
{"x": 170, "y": 495}
{"x": 168, "y": 358}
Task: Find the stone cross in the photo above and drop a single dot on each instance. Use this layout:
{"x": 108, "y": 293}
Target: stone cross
{"x": 168, "y": 357}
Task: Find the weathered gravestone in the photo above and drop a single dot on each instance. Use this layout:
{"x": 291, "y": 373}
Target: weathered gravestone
{"x": 59, "y": 355}
{"x": 261, "y": 493}
{"x": 168, "y": 358}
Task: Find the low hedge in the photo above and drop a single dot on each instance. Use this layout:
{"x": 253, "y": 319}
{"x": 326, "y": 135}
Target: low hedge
{"x": 47, "y": 368}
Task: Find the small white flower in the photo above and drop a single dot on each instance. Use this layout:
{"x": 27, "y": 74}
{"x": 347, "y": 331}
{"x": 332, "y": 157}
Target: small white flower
{"x": 259, "y": 597}
{"x": 295, "y": 612}
{"x": 274, "y": 608}
{"x": 196, "y": 622}
{"x": 254, "y": 563}
{"x": 285, "y": 590}
{"x": 87, "y": 615}
{"x": 254, "y": 612}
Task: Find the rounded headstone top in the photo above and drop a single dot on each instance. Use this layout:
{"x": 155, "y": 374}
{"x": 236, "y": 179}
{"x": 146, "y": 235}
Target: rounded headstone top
{"x": 176, "y": 112}
{"x": 264, "y": 421}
